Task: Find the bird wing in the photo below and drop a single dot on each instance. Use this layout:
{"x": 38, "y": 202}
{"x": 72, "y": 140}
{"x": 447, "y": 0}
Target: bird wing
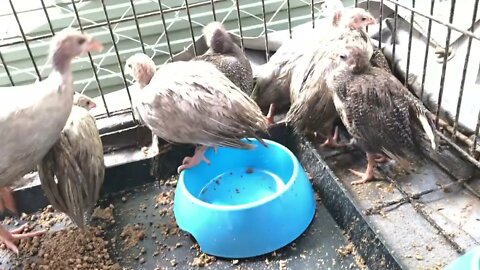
{"x": 76, "y": 161}
{"x": 379, "y": 115}
{"x": 235, "y": 68}
{"x": 193, "y": 102}
{"x": 87, "y": 149}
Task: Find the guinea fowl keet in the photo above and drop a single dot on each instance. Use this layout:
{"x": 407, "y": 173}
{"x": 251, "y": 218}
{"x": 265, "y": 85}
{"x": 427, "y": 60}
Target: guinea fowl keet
{"x": 378, "y": 111}
{"x": 194, "y": 103}
{"x": 33, "y": 116}
{"x": 227, "y": 56}
{"x": 312, "y": 108}
{"x": 76, "y": 161}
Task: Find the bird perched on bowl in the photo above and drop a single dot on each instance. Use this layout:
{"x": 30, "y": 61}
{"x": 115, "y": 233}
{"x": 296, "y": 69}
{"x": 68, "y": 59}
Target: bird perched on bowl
{"x": 378, "y": 111}
{"x": 76, "y": 161}
{"x": 273, "y": 80}
{"x": 33, "y": 116}
{"x": 193, "y": 102}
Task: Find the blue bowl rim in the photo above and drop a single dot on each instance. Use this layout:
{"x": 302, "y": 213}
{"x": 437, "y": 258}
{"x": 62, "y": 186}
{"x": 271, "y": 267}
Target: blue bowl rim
{"x": 296, "y": 169}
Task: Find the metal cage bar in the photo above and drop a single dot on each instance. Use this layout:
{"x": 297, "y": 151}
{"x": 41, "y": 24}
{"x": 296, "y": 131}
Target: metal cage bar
{"x": 27, "y": 45}
{"x": 289, "y": 15}
{"x": 394, "y": 37}
{"x": 409, "y": 49}
{"x": 118, "y": 56}
{"x": 191, "y": 28}
{"x": 312, "y": 11}
{"x": 137, "y": 26}
{"x": 475, "y": 137}
{"x": 380, "y": 24}
{"x": 267, "y": 50}
{"x": 444, "y": 66}
{"x": 103, "y": 24}
{"x": 92, "y": 64}
{"x": 212, "y": 3}
{"x": 427, "y": 48}
{"x": 165, "y": 30}
{"x": 239, "y": 19}
{"x": 47, "y": 16}
{"x": 6, "y": 69}
{"x": 464, "y": 73}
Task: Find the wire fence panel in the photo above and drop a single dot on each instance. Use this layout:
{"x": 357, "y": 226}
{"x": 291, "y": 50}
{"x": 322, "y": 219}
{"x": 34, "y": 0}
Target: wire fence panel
{"x": 163, "y": 28}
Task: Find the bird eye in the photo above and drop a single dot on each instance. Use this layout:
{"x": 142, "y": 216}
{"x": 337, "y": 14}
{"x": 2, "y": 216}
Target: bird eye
{"x": 364, "y": 19}
{"x": 88, "y": 103}
{"x": 129, "y": 65}
{"x": 343, "y": 56}
{"x": 81, "y": 41}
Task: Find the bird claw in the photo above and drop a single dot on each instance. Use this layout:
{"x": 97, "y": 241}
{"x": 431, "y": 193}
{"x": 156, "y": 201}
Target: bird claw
{"x": 379, "y": 158}
{"x": 271, "y": 114}
{"x": 189, "y": 162}
{"x": 8, "y": 237}
{"x": 365, "y": 177}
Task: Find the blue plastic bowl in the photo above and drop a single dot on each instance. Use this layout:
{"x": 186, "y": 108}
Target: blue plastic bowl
{"x": 468, "y": 261}
{"x": 246, "y": 203}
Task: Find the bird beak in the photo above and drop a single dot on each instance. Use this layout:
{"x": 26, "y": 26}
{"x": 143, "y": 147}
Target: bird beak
{"x": 92, "y": 105}
{"x": 373, "y": 21}
{"x": 94, "y": 46}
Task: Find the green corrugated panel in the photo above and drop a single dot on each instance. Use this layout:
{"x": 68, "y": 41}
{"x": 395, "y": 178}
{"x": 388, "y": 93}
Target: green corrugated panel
{"x": 152, "y": 34}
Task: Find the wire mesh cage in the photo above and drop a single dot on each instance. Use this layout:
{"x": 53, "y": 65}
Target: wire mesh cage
{"x": 429, "y": 45}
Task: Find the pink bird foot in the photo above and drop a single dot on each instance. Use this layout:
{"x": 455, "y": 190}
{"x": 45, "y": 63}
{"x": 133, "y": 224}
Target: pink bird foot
{"x": 271, "y": 114}
{"x": 8, "y": 237}
{"x": 332, "y": 141}
{"x": 7, "y": 201}
{"x": 368, "y": 174}
{"x": 189, "y": 162}
{"x": 381, "y": 158}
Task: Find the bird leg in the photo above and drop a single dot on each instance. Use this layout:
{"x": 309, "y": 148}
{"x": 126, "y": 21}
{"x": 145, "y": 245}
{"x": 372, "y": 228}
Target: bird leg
{"x": 189, "y": 162}
{"x": 332, "y": 140}
{"x": 8, "y": 237}
{"x": 271, "y": 114}
{"x": 368, "y": 174}
{"x": 6, "y": 200}
{"x": 381, "y": 158}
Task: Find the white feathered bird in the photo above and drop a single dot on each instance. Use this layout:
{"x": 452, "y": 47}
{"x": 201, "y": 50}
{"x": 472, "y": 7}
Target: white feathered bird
{"x": 194, "y": 103}
{"x": 33, "y": 116}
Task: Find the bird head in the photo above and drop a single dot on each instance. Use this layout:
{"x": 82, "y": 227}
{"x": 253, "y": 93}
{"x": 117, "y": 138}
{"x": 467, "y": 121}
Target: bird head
{"x": 141, "y": 68}
{"x": 83, "y": 101}
{"x": 351, "y": 58}
{"x": 353, "y": 18}
{"x": 69, "y": 43}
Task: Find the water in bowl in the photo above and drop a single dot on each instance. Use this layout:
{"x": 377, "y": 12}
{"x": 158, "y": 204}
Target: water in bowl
{"x": 241, "y": 186}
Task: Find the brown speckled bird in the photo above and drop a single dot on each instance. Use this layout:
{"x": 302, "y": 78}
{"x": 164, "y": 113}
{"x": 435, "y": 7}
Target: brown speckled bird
{"x": 227, "y": 56}
{"x": 193, "y": 102}
{"x": 33, "y": 116}
{"x": 273, "y": 79}
{"x": 76, "y": 162}
{"x": 378, "y": 111}
{"x": 312, "y": 107}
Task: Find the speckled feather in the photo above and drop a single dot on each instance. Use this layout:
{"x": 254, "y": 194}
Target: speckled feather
{"x": 380, "y": 114}
{"x": 193, "y": 102}
{"x": 227, "y": 57}
{"x": 312, "y": 107}
{"x": 76, "y": 161}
